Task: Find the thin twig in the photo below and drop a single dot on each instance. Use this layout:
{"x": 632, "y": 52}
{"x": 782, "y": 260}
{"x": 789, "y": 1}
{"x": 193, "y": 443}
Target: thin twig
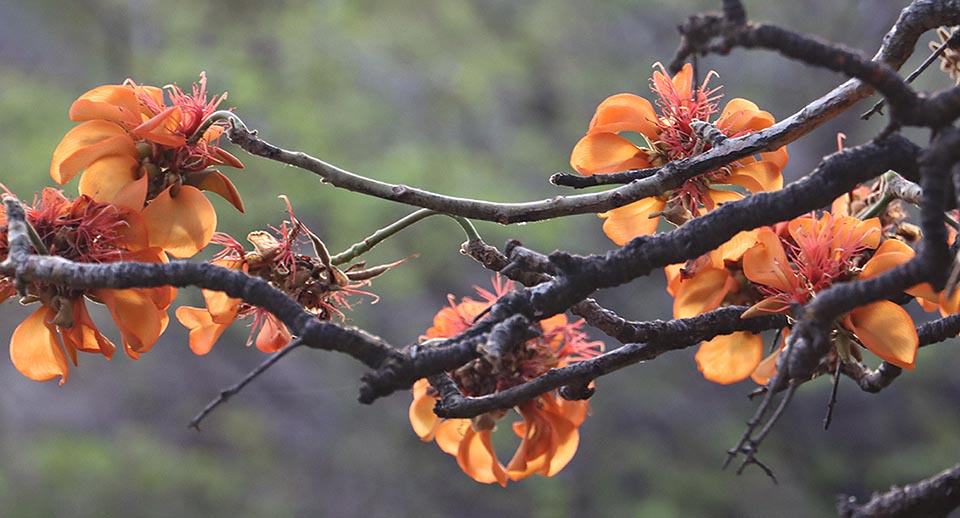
{"x": 232, "y": 390}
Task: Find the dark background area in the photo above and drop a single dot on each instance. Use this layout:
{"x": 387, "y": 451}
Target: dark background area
{"x": 481, "y": 98}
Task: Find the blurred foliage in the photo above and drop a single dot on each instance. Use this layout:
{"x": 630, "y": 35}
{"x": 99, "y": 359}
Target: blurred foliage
{"x": 474, "y": 98}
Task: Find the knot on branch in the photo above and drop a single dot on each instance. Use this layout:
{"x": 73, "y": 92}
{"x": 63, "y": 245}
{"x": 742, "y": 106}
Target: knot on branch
{"x": 577, "y": 392}
{"x": 505, "y": 337}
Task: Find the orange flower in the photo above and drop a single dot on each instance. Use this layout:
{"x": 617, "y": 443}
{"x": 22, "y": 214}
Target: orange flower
{"x": 705, "y": 284}
{"x": 824, "y": 252}
{"x": 667, "y": 137}
{"x": 83, "y": 231}
{"x": 549, "y": 428}
{"x": 317, "y": 285}
{"x": 137, "y": 152}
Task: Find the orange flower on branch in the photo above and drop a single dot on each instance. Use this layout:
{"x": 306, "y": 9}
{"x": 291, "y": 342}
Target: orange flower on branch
{"x": 319, "y": 286}
{"x": 135, "y": 150}
{"x": 788, "y": 265}
{"x": 84, "y": 231}
{"x": 549, "y": 426}
{"x": 670, "y": 136}
{"x": 820, "y": 253}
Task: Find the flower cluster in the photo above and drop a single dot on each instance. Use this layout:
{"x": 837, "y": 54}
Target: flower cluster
{"x": 137, "y": 151}
{"x": 312, "y": 280}
{"x": 669, "y": 136}
{"x": 773, "y": 269}
{"x": 549, "y": 426}
{"x": 84, "y": 231}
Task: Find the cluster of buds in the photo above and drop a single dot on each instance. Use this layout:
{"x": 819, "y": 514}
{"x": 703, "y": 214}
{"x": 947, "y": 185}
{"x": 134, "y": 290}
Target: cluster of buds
{"x": 312, "y": 280}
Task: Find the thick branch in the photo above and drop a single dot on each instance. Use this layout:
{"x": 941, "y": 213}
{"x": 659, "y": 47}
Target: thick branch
{"x": 663, "y": 336}
{"x": 934, "y": 497}
{"x": 580, "y": 276}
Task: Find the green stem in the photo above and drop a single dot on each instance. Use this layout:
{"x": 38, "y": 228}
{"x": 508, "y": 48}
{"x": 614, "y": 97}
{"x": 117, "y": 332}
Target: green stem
{"x": 377, "y": 237}
{"x": 881, "y": 204}
{"x": 217, "y": 116}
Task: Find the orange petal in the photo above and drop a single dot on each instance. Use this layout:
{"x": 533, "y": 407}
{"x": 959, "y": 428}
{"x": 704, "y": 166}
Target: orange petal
{"x": 84, "y": 335}
{"x": 741, "y": 115}
{"x": 892, "y": 253}
{"x": 777, "y": 157}
{"x": 625, "y": 112}
{"x": 181, "y": 225}
{"x": 768, "y": 367}
{"x": 478, "y": 460}
{"x": 625, "y": 223}
{"x": 766, "y": 263}
{"x": 35, "y": 348}
{"x": 682, "y": 82}
{"x": 215, "y": 181}
{"x": 449, "y": 434}
{"x": 136, "y": 316}
{"x": 887, "y": 331}
{"x": 766, "y": 307}
{"x": 716, "y": 197}
{"x": 734, "y": 249}
{"x": 224, "y": 158}
{"x": 599, "y": 153}
{"x": 161, "y": 128}
{"x": 221, "y": 307}
{"x": 422, "y": 418}
{"x": 703, "y": 293}
{"x": 850, "y": 232}
{"x": 108, "y": 175}
{"x": 273, "y": 335}
{"x": 84, "y": 144}
{"x": 730, "y": 358}
{"x": 757, "y": 177}
{"x": 204, "y": 332}
{"x": 117, "y": 103}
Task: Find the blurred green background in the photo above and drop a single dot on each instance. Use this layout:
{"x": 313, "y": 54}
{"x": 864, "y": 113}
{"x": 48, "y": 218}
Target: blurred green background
{"x": 479, "y": 98}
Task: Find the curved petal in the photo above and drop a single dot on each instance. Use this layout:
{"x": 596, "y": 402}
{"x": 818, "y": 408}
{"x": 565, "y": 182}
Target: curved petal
{"x": 215, "y": 181}
{"x": 162, "y": 127}
{"x": 181, "y": 225}
{"x": 222, "y": 157}
{"x": 734, "y": 249}
{"x": 768, "y": 367}
{"x": 717, "y": 197}
{"x": 204, "y": 332}
{"x": 221, "y": 307}
{"x": 702, "y": 293}
{"x": 625, "y": 223}
{"x": 600, "y": 153}
{"x": 84, "y": 144}
{"x": 136, "y": 316}
{"x": 850, "y": 233}
{"x": 84, "y": 335}
{"x": 778, "y": 157}
{"x": 743, "y": 116}
{"x": 450, "y": 433}
{"x": 765, "y": 307}
{"x": 730, "y": 358}
{"x": 625, "y": 112}
{"x": 766, "y": 263}
{"x": 35, "y": 348}
{"x": 757, "y": 177}
{"x": 273, "y": 335}
{"x": 892, "y": 253}
{"x": 478, "y": 460}
{"x": 422, "y": 418}
{"x": 109, "y": 175}
{"x": 887, "y": 331}
{"x": 117, "y": 103}
{"x": 681, "y": 83}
